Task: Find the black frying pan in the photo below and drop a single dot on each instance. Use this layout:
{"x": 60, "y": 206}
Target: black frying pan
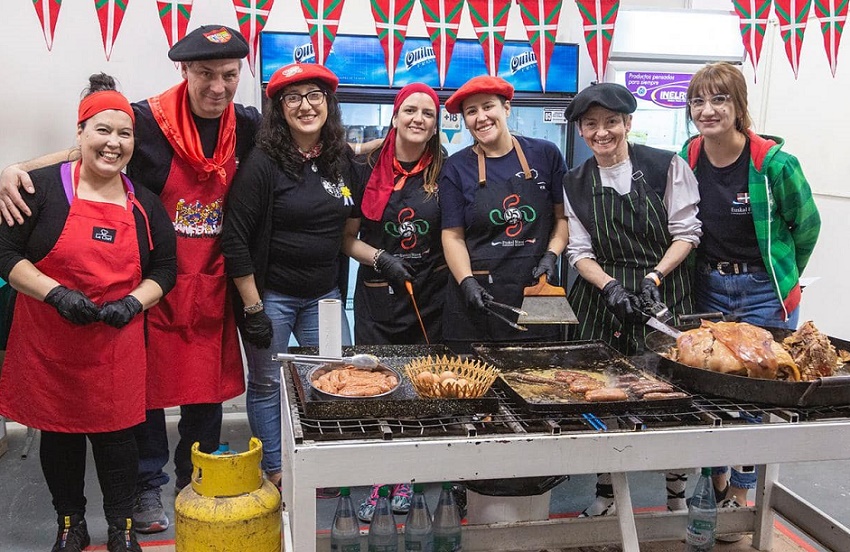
{"x": 831, "y": 391}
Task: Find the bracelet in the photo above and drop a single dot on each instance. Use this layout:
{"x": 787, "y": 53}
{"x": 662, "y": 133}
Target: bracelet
{"x": 357, "y": 148}
{"x": 253, "y": 309}
{"x": 655, "y": 276}
{"x": 375, "y": 260}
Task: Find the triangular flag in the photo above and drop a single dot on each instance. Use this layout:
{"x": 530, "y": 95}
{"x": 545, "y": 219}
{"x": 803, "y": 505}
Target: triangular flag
{"x": 442, "y": 19}
{"x": 110, "y": 14}
{"x": 391, "y": 18}
{"x": 753, "y": 20}
{"x": 174, "y": 16}
{"x": 793, "y": 16}
{"x": 540, "y": 18}
{"x": 489, "y": 19}
{"x": 599, "y": 17}
{"x": 322, "y": 21}
{"x": 48, "y": 13}
{"x": 252, "y": 16}
{"x": 832, "y": 15}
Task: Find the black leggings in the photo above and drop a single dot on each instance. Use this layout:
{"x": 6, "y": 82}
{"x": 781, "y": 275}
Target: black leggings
{"x": 63, "y": 461}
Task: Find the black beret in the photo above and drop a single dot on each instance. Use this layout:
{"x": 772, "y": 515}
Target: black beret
{"x": 609, "y": 95}
{"x": 210, "y": 42}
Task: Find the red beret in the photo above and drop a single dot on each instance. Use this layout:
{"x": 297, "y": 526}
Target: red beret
{"x": 300, "y": 72}
{"x": 479, "y": 85}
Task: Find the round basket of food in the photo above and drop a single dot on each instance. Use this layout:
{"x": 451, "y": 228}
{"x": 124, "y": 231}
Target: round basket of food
{"x": 350, "y": 382}
{"x": 450, "y": 378}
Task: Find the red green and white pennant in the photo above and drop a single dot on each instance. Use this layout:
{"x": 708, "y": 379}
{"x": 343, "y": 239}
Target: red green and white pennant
{"x": 391, "y": 18}
{"x": 540, "y": 18}
{"x": 252, "y": 16}
{"x": 832, "y": 15}
{"x": 174, "y": 16}
{"x": 489, "y": 19}
{"x": 48, "y": 13}
{"x": 442, "y": 19}
{"x": 599, "y": 17}
{"x": 322, "y": 21}
{"x": 110, "y": 14}
{"x": 793, "y": 16}
{"x": 753, "y": 16}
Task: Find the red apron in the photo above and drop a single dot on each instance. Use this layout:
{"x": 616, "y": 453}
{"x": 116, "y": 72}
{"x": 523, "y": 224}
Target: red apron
{"x": 193, "y": 348}
{"x": 80, "y": 379}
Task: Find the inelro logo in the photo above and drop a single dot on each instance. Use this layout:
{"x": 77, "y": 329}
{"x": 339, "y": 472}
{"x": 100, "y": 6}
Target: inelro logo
{"x": 103, "y": 234}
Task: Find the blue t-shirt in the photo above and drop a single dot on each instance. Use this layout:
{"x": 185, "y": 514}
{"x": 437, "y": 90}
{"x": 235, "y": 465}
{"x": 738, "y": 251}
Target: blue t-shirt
{"x": 459, "y": 177}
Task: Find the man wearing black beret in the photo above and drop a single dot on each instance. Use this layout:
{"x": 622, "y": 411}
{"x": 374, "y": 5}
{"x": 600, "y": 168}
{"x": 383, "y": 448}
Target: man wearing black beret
{"x": 632, "y": 212}
{"x": 188, "y": 157}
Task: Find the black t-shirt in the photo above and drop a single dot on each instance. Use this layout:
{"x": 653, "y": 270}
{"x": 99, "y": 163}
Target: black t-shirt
{"x": 728, "y": 231}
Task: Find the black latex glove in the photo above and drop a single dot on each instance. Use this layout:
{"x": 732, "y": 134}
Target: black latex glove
{"x": 396, "y": 271}
{"x": 474, "y": 295}
{"x": 72, "y": 305}
{"x": 546, "y": 266}
{"x": 257, "y": 330}
{"x": 649, "y": 293}
{"x": 119, "y": 313}
{"x": 621, "y": 302}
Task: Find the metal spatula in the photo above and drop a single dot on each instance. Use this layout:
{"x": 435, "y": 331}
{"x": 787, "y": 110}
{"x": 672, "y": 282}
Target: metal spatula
{"x": 544, "y": 303}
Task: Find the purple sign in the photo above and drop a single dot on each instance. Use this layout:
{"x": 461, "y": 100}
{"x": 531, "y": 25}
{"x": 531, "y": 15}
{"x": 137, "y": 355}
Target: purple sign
{"x": 664, "y": 89}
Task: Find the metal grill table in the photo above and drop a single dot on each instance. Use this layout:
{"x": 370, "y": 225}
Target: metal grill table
{"x": 510, "y": 444}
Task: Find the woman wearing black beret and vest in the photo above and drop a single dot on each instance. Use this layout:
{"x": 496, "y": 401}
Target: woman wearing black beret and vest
{"x": 632, "y": 213}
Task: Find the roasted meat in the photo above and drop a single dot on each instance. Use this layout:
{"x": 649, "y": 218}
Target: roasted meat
{"x": 812, "y": 352}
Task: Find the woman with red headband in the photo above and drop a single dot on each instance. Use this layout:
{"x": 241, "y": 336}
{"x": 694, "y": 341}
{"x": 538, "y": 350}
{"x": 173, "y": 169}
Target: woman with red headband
{"x": 95, "y": 253}
{"x": 399, "y": 241}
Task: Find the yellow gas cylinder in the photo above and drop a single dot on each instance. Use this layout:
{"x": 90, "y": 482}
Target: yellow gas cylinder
{"x": 229, "y": 507}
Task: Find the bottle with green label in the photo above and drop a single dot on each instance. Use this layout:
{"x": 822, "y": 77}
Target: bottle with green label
{"x": 418, "y": 534}
{"x": 447, "y": 533}
{"x": 702, "y": 516}
{"x": 383, "y": 535}
{"x": 345, "y": 531}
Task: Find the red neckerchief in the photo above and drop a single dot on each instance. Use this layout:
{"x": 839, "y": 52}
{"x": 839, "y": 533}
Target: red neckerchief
{"x": 383, "y": 181}
{"x": 174, "y": 115}
{"x": 312, "y": 153}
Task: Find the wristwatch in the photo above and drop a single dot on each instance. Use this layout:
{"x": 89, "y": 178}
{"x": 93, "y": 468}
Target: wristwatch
{"x": 253, "y": 309}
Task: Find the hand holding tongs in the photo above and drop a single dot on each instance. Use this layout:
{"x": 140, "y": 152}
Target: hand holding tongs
{"x": 489, "y": 304}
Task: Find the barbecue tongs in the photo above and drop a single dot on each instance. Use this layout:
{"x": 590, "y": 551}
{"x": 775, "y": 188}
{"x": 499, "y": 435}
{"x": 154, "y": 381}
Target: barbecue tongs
{"x": 489, "y": 305}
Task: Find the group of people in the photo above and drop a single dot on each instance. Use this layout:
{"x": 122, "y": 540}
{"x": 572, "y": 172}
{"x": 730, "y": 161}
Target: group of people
{"x": 261, "y": 246}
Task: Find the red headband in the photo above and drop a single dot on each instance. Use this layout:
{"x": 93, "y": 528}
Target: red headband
{"x": 101, "y": 101}
{"x": 411, "y": 89}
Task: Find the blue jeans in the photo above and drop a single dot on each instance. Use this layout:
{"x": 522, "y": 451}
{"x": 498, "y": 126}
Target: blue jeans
{"x": 289, "y": 315}
{"x": 750, "y": 298}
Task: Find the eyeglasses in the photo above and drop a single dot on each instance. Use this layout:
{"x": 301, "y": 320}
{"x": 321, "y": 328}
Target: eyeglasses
{"x": 716, "y": 101}
{"x": 314, "y": 98}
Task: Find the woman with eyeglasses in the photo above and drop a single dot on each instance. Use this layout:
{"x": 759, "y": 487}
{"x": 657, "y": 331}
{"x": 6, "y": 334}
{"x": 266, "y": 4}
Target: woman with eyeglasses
{"x": 283, "y": 233}
{"x": 759, "y": 220}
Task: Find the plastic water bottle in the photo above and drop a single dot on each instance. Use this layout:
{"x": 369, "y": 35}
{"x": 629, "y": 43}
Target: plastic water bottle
{"x": 345, "y": 531}
{"x": 418, "y": 534}
{"x": 702, "y": 516}
{"x": 447, "y": 534}
{"x": 383, "y": 535}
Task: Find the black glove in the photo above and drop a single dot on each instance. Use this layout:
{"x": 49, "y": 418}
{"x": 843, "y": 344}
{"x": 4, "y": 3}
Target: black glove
{"x": 546, "y": 266}
{"x": 257, "y": 330}
{"x": 72, "y": 305}
{"x": 474, "y": 295}
{"x": 621, "y": 302}
{"x": 119, "y": 313}
{"x": 397, "y": 271}
{"x": 649, "y": 293}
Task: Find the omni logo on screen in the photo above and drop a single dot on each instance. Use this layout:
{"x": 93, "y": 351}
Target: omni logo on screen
{"x": 303, "y": 53}
{"x": 418, "y": 56}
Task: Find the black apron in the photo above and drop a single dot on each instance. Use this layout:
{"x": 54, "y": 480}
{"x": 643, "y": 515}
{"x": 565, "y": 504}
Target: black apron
{"x": 629, "y": 237}
{"x": 409, "y": 229}
{"x": 510, "y": 231}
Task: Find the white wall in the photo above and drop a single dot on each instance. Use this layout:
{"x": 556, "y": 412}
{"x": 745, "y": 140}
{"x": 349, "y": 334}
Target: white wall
{"x": 41, "y": 91}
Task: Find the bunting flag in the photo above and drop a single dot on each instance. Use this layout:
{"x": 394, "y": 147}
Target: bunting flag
{"x": 48, "y": 13}
{"x": 489, "y": 19}
{"x": 110, "y": 14}
{"x": 540, "y": 18}
{"x": 442, "y": 19}
{"x": 599, "y": 17}
{"x": 322, "y": 21}
{"x": 753, "y": 16}
{"x": 252, "y": 16}
{"x": 174, "y": 16}
{"x": 391, "y": 18}
{"x": 832, "y": 14}
{"x": 792, "y": 15}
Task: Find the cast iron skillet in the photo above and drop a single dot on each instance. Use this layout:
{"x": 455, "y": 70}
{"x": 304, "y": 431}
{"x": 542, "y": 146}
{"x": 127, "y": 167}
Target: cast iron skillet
{"x": 831, "y": 391}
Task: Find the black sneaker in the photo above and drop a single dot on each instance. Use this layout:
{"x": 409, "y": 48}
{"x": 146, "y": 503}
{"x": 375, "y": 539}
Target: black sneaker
{"x": 122, "y": 538}
{"x": 148, "y": 513}
{"x": 73, "y": 534}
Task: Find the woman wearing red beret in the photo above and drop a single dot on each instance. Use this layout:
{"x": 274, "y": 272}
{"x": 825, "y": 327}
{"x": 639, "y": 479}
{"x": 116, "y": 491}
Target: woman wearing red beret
{"x": 503, "y": 217}
{"x": 283, "y": 232}
{"x": 400, "y": 240}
